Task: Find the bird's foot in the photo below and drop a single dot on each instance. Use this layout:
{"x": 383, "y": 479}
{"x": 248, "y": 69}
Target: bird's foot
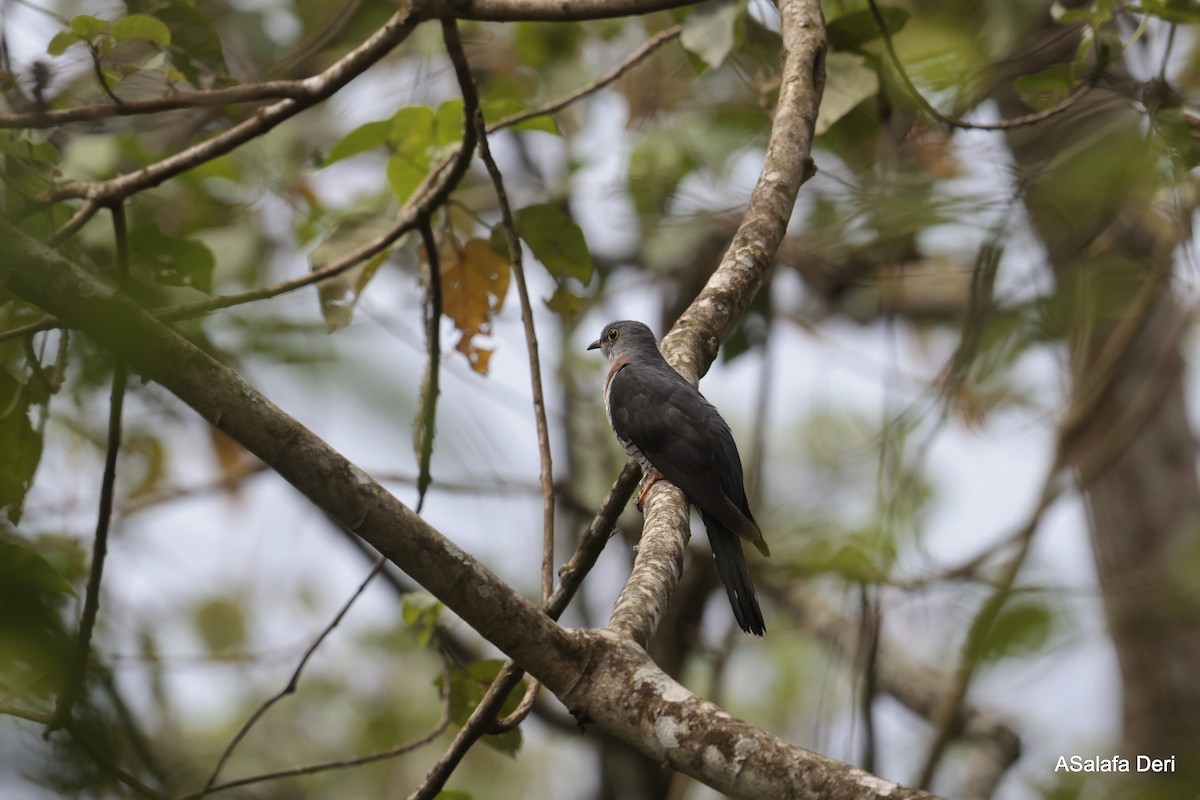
{"x": 644, "y": 487}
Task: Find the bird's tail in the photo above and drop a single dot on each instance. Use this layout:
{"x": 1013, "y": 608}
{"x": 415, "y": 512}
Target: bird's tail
{"x": 731, "y": 566}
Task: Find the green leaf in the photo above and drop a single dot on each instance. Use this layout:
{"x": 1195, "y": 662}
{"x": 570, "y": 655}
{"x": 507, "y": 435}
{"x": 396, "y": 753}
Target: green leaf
{"x": 141, "y": 26}
{"x": 25, "y": 145}
{"x": 26, "y": 567}
{"x": 422, "y": 611}
{"x": 20, "y": 446}
{"x": 849, "y": 81}
{"x": 339, "y": 294}
{"x": 360, "y": 140}
{"x": 564, "y": 302}
{"x": 1041, "y": 90}
{"x": 33, "y": 641}
{"x": 1182, "y": 11}
{"x": 195, "y": 45}
{"x": 221, "y": 625}
{"x": 61, "y": 41}
{"x": 405, "y": 173}
{"x": 452, "y": 794}
{"x": 656, "y": 166}
{"x": 1021, "y": 628}
{"x": 850, "y": 31}
{"x": 448, "y": 128}
{"x": 171, "y": 262}
{"x": 556, "y": 241}
{"x": 412, "y": 127}
{"x": 412, "y": 135}
{"x": 88, "y": 27}
{"x": 467, "y": 688}
{"x": 712, "y": 30}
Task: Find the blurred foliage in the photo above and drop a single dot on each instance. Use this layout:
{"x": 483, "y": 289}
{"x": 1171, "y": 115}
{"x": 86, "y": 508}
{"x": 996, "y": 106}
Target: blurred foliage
{"x": 912, "y": 230}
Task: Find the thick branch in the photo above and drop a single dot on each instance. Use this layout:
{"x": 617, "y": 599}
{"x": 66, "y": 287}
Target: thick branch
{"x": 606, "y": 677}
{"x": 693, "y": 342}
{"x": 631, "y": 698}
{"x": 40, "y": 276}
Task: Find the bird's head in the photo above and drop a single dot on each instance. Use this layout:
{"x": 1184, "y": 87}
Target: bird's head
{"x": 623, "y": 338}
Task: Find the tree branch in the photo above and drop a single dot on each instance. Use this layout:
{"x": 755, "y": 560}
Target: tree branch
{"x": 553, "y": 10}
{"x": 631, "y": 698}
{"x": 42, "y": 277}
{"x": 77, "y": 673}
{"x": 692, "y": 343}
{"x": 316, "y": 89}
{"x": 604, "y": 677}
{"x": 293, "y": 682}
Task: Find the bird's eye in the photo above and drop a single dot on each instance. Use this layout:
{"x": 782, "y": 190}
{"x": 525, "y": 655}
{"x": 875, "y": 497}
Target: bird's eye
{"x": 613, "y": 333}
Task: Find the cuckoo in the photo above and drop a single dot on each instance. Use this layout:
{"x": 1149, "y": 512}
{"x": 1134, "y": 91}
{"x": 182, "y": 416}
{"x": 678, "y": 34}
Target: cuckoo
{"x": 674, "y": 433}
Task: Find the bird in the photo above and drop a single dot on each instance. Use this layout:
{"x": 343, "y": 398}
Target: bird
{"x": 663, "y": 422}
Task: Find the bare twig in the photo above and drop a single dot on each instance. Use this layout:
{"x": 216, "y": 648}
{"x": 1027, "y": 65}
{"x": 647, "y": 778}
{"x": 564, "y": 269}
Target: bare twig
{"x": 927, "y": 107}
{"x": 101, "y": 78}
{"x": 342, "y": 763}
{"x": 692, "y": 344}
{"x": 437, "y": 184}
{"x": 77, "y": 672}
{"x": 293, "y": 682}
{"x": 317, "y": 88}
{"x": 426, "y": 421}
{"x": 546, "y": 475}
{"x": 46, "y": 323}
{"x": 542, "y": 11}
{"x": 919, "y": 687}
{"x": 80, "y": 218}
{"x": 950, "y": 712}
{"x": 546, "y": 470}
{"x": 1088, "y": 465}
{"x": 206, "y": 98}
{"x": 629, "y": 62}
{"x": 478, "y": 724}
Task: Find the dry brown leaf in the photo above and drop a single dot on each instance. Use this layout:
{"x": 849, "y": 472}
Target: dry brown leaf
{"x": 474, "y": 284}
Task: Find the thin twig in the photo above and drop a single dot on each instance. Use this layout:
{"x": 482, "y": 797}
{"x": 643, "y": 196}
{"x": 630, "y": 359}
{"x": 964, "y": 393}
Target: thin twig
{"x": 546, "y": 470}
{"x": 101, "y": 78}
{"x": 1088, "y": 467}
{"x": 868, "y": 659}
{"x": 434, "y": 188}
{"x": 981, "y": 627}
{"x": 320, "y": 87}
{"x": 483, "y": 716}
{"x": 478, "y": 724}
{"x": 927, "y": 107}
{"x": 426, "y": 421}
{"x": 342, "y": 763}
{"x": 293, "y": 682}
{"x": 629, "y": 62}
{"x": 46, "y": 323}
{"x": 205, "y": 98}
{"x": 546, "y": 475}
{"x": 80, "y": 218}
{"x": 77, "y": 672}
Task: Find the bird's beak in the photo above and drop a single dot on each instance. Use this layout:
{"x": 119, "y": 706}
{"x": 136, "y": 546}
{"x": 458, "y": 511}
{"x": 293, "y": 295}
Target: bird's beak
{"x": 594, "y": 345}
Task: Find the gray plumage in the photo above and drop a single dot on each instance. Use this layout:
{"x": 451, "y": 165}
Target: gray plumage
{"x": 664, "y": 422}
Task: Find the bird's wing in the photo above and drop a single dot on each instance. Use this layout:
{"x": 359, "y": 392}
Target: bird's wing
{"x": 680, "y": 434}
